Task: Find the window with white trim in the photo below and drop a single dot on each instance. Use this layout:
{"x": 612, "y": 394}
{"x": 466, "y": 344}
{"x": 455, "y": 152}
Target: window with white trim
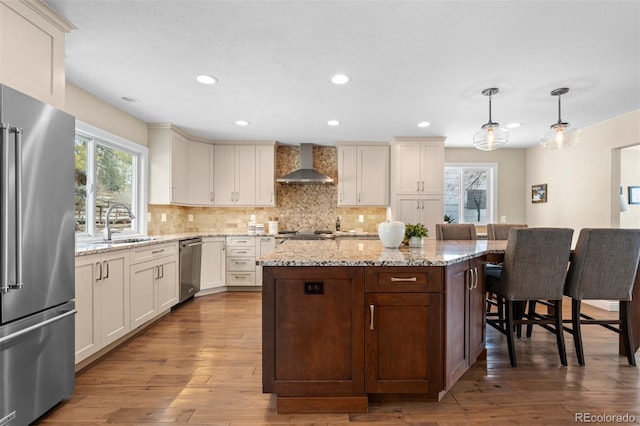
{"x": 470, "y": 192}
{"x": 108, "y": 170}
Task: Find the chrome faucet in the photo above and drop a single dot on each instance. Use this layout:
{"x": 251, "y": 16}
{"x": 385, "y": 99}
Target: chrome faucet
{"x": 107, "y": 229}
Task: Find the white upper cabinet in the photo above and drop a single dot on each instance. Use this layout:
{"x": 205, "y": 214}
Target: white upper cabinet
{"x": 200, "y": 168}
{"x": 363, "y": 175}
{"x": 168, "y": 156}
{"x": 417, "y": 165}
{"x": 32, "y": 50}
{"x": 265, "y": 175}
{"x": 244, "y": 175}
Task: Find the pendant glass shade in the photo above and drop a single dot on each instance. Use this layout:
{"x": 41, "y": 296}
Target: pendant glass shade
{"x": 560, "y": 136}
{"x": 491, "y": 136}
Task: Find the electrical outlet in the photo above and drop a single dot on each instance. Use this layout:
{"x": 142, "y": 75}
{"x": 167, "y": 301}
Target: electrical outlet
{"x": 163, "y": 217}
{"x": 503, "y": 219}
{"x": 360, "y": 218}
{"x": 148, "y": 217}
{"x": 190, "y": 218}
{"x": 252, "y": 218}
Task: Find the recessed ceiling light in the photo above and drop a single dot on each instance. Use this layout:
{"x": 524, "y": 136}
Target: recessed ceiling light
{"x": 340, "y": 79}
{"x": 129, "y": 99}
{"x": 333, "y": 123}
{"x": 424, "y": 124}
{"x": 242, "y": 122}
{"x": 513, "y": 125}
{"x": 206, "y": 79}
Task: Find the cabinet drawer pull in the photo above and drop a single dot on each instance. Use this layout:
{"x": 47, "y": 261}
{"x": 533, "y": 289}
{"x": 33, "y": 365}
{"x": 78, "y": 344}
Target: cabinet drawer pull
{"x": 396, "y": 280}
{"x": 372, "y": 309}
{"x": 157, "y": 251}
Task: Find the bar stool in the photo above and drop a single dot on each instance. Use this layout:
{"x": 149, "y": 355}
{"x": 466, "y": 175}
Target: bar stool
{"x": 534, "y": 267}
{"x": 604, "y": 266}
{"x": 456, "y": 231}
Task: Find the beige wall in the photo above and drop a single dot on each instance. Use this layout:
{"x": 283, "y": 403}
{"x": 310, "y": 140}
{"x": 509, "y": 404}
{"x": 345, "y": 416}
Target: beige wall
{"x": 91, "y": 110}
{"x": 630, "y": 176}
{"x": 511, "y": 177}
{"x": 583, "y": 181}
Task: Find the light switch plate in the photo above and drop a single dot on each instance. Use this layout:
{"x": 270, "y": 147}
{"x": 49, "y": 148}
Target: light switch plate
{"x": 163, "y": 217}
{"x": 190, "y": 218}
{"x": 360, "y": 218}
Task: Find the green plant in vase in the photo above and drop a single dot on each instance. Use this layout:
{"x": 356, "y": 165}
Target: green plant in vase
{"x": 414, "y": 234}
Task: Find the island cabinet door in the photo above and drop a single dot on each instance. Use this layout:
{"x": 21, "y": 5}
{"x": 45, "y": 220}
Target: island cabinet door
{"x": 313, "y": 331}
{"x": 403, "y": 343}
{"x": 464, "y": 318}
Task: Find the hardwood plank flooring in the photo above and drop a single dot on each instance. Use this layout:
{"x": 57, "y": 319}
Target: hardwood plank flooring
{"x": 201, "y": 365}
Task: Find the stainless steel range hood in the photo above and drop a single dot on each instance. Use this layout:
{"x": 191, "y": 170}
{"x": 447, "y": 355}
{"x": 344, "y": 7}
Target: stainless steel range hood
{"x": 305, "y": 174}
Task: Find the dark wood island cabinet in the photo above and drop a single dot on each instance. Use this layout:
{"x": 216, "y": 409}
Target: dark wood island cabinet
{"x": 346, "y": 322}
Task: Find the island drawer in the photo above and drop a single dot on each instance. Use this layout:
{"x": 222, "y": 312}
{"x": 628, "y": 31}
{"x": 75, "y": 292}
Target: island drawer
{"x": 404, "y": 279}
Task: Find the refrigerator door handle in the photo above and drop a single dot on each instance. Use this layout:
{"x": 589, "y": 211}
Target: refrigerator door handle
{"x": 4, "y": 214}
{"x": 18, "y": 182}
{"x": 36, "y": 326}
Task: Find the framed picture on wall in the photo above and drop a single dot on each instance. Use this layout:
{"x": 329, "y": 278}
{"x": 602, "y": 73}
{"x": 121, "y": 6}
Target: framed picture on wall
{"x": 539, "y": 193}
{"x": 634, "y": 195}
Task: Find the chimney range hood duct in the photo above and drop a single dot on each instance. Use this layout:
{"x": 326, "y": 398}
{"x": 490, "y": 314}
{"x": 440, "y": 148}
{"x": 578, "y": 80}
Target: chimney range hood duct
{"x": 305, "y": 174}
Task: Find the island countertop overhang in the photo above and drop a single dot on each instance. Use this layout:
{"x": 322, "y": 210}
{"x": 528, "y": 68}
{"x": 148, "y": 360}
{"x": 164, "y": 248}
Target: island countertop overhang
{"x": 373, "y": 253}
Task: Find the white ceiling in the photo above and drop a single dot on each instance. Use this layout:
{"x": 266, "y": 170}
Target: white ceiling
{"x": 409, "y": 61}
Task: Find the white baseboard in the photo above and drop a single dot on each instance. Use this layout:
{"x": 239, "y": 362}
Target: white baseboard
{"x": 607, "y": 305}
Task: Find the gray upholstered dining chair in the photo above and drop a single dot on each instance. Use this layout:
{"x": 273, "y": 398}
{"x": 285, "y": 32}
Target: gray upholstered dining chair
{"x": 534, "y": 267}
{"x": 500, "y": 231}
{"x": 604, "y": 266}
{"x": 456, "y": 231}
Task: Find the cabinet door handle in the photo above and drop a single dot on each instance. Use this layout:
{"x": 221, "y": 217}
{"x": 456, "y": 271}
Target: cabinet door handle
{"x": 470, "y": 283}
{"x": 157, "y": 274}
{"x": 106, "y": 265}
{"x": 417, "y": 186}
{"x": 475, "y": 285}
{"x": 161, "y": 271}
{"x": 422, "y": 186}
{"x": 99, "y": 266}
{"x": 417, "y": 204}
{"x": 372, "y": 309}
{"x": 410, "y": 279}
{"x": 422, "y": 202}
{"x": 232, "y": 196}
{"x": 211, "y": 196}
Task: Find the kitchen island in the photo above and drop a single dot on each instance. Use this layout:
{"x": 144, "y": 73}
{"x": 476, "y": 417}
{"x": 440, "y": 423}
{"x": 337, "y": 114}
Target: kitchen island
{"x": 346, "y": 322}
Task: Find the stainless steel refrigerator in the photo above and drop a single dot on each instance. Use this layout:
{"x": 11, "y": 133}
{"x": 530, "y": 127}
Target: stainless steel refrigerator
{"x": 37, "y": 285}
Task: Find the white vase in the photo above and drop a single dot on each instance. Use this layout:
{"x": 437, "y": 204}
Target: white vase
{"x": 391, "y": 233}
{"x": 416, "y": 241}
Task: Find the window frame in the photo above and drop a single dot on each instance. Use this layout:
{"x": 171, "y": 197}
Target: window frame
{"x": 139, "y": 175}
{"x": 492, "y": 190}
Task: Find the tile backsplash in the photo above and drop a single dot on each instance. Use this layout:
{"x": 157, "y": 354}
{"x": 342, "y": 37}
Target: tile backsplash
{"x": 299, "y": 206}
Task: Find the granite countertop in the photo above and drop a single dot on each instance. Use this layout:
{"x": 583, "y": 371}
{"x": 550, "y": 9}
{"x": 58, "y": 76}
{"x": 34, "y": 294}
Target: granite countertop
{"x": 84, "y": 248}
{"x": 373, "y": 253}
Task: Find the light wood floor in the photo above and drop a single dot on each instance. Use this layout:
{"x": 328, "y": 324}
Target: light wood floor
{"x": 201, "y": 365}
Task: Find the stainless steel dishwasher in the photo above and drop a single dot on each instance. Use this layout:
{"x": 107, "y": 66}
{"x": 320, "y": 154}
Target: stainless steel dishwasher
{"x": 190, "y": 259}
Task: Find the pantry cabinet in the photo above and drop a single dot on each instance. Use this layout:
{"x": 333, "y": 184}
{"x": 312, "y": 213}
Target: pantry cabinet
{"x": 102, "y": 301}
{"x": 417, "y": 181}
{"x": 363, "y": 175}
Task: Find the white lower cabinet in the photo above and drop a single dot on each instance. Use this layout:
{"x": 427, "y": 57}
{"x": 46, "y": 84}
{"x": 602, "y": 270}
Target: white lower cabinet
{"x": 212, "y": 270}
{"x": 102, "y": 301}
{"x": 241, "y": 256}
{"x": 153, "y": 281}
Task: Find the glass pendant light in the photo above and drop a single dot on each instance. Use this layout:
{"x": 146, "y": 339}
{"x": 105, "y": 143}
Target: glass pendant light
{"x": 491, "y": 136}
{"x": 560, "y": 136}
